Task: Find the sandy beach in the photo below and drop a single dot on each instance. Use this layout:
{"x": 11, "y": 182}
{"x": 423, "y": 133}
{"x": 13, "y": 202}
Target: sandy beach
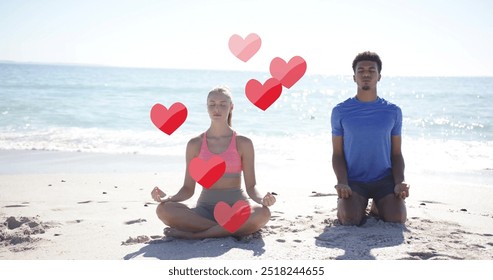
{"x": 82, "y": 206}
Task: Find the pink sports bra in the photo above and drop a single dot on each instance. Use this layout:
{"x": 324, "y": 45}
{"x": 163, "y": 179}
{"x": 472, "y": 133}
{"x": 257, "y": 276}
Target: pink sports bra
{"x": 230, "y": 156}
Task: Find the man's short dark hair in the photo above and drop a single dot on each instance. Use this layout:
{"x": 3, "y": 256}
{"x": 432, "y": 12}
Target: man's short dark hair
{"x": 371, "y": 56}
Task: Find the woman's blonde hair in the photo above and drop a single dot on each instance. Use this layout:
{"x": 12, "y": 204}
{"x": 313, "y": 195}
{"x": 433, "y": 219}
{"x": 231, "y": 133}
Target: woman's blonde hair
{"x": 227, "y": 92}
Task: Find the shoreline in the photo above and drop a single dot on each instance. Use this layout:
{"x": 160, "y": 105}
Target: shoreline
{"x": 48, "y": 162}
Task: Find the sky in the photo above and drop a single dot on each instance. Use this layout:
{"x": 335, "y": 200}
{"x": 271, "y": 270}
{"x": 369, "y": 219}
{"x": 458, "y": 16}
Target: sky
{"x": 413, "y": 38}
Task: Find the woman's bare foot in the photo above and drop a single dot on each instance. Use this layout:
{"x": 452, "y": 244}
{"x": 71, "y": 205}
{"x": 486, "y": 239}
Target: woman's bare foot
{"x": 173, "y": 232}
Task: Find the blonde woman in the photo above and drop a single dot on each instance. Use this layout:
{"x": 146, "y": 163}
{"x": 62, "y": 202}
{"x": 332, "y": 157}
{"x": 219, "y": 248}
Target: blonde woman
{"x": 238, "y": 153}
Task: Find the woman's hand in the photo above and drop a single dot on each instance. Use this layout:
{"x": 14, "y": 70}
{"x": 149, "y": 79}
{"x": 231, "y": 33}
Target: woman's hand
{"x": 158, "y": 195}
{"x": 268, "y": 200}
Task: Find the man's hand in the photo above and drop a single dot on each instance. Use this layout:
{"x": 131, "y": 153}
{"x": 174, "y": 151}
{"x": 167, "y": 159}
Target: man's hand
{"x": 401, "y": 190}
{"x": 343, "y": 190}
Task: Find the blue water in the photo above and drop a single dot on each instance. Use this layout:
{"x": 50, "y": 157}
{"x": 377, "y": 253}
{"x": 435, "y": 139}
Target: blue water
{"x": 105, "y": 109}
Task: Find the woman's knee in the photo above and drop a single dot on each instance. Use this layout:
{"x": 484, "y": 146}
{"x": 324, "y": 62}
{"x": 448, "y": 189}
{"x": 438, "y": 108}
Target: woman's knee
{"x": 164, "y": 211}
{"x": 259, "y": 217}
{"x": 266, "y": 212}
{"x": 263, "y": 215}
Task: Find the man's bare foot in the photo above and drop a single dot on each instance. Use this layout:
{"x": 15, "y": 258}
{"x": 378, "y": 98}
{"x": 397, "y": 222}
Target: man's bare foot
{"x": 373, "y": 210}
{"x": 176, "y": 233}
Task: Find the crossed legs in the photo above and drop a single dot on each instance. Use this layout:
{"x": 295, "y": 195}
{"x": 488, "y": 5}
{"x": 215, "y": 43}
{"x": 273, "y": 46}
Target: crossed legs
{"x": 184, "y": 223}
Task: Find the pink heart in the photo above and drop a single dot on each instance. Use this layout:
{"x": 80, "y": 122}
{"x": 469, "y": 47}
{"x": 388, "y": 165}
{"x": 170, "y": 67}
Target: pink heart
{"x": 288, "y": 73}
{"x": 168, "y": 120}
{"x": 244, "y": 49}
{"x": 232, "y": 218}
{"x": 264, "y": 95}
{"x": 208, "y": 172}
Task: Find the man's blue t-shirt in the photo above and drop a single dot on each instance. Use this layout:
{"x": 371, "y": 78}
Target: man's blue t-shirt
{"x": 367, "y": 128}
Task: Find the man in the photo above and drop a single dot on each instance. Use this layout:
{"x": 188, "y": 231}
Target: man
{"x": 367, "y": 158}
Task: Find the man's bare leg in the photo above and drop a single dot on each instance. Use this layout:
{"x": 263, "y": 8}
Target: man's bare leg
{"x": 392, "y": 209}
{"x": 351, "y": 211}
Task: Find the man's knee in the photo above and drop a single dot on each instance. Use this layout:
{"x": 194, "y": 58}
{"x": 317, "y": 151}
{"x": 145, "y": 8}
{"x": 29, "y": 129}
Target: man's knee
{"x": 349, "y": 219}
{"x": 351, "y": 212}
{"x": 396, "y": 217}
{"x": 393, "y": 210}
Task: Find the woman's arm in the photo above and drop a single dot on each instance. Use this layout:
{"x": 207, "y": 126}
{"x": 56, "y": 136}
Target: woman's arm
{"x": 247, "y": 152}
{"x": 188, "y": 188}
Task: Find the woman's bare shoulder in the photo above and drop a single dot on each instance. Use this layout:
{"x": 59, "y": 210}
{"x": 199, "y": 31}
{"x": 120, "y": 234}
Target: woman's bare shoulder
{"x": 195, "y": 141}
{"x": 243, "y": 140}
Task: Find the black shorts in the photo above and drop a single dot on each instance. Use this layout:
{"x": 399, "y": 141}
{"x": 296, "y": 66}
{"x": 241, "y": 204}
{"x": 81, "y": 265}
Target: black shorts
{"x": 376, "y": 190}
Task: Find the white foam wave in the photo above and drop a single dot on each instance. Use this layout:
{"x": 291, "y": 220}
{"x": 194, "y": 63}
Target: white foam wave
{"x": 420, "y": 154}
{"x": 94, "y": 140}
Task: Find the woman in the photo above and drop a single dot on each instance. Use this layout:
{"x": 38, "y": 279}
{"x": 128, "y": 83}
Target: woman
{"x": 238, "y": 153}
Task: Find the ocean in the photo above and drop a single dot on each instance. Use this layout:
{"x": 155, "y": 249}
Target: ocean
{"x": 448, "y": 121}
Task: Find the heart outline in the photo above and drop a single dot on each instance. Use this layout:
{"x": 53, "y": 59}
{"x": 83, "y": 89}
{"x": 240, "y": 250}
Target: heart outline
{"x": 168, "y": 120}
{"x": 231, "y": 218}
{"x": 207, "y": 173}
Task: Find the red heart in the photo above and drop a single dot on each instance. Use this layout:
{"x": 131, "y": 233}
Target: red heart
{"x": 208, "y": 172}
{"x": 168, "y": 120}
{"x": 244, "y": 49}
{"x": 264, "y": 95}
{"x": 232, "y": 218}
{"x": 288, "y": 73}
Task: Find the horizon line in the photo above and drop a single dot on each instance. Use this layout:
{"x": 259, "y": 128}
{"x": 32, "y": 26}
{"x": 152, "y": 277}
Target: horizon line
{"x": 75, "y": 64}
